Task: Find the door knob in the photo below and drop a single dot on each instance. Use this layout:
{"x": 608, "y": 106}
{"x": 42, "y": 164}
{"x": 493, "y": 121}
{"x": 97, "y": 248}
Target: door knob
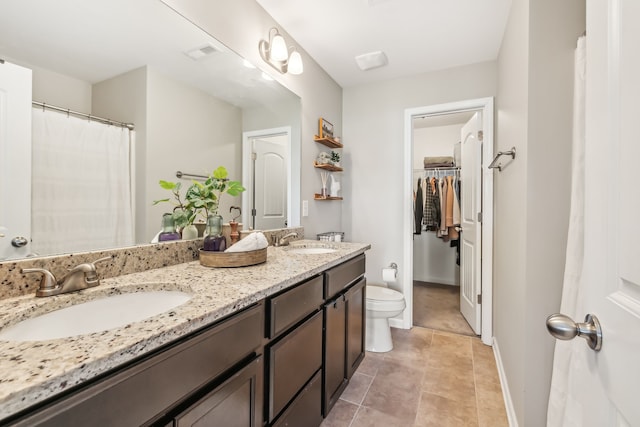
{"x": 564, "y": 328}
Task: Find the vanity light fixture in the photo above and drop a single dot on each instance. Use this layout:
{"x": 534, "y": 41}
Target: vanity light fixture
{"x": 275, "y": 53}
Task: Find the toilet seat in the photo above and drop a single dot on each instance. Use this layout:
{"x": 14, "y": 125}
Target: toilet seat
{"x": 379, "y": 293}
{"x": 383, "y": 299}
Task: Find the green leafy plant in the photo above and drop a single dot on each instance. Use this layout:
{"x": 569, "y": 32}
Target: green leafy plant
{"x": 183, "y": 213}
{"x": 335, "y": 157}
{"x": 200, "y": 197}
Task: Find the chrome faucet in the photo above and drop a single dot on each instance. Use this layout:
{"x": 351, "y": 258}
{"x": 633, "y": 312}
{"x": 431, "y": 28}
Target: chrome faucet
{"x": 79, "y": 277}
{"x": 283, "y": 241}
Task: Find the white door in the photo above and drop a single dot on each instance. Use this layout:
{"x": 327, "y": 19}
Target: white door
{"x": 270, "y": 173}
{"x": 611, "y": 277}
{"x": 470, "y": 207}
{"x": 15, "y": 161}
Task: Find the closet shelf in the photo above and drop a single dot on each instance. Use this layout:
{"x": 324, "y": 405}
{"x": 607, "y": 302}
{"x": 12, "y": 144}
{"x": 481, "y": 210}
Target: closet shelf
{"x": 327, "y": 166}
{"x": 329, "y": 142}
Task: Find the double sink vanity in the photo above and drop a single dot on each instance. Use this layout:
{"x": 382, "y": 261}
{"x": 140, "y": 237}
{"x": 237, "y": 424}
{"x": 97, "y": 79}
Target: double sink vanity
{"x": 272, "y": 344}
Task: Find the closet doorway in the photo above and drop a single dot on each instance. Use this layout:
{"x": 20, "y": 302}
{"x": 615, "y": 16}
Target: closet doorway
{"x": 451, "y": 260}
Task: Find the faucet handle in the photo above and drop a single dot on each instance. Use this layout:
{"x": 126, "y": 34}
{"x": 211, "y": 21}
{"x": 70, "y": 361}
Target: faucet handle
{"x": 89, "y": 269}
{"x": 48, "y": 282}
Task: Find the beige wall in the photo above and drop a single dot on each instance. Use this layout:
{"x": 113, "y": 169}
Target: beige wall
{"x": 374, "y": 129}
{"x": 532, "y": 195}
{"x": 240, "y": 24}
{"x": 177, "y": 128}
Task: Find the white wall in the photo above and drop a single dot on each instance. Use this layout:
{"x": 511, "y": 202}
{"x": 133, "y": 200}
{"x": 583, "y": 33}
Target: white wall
{"x": 534, "y": 115}
{"x": 60, "y": 90}
{"x": 240, "y": 25}
{"x": 178, "y": 128}
{"x": 190, "y": 131}
{"x": 434, "y": 260}
{"x": 373, "y": 133}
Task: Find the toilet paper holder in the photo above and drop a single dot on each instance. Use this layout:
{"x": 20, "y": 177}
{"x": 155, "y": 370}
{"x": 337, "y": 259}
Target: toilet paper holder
{"x": 390, "y": 274}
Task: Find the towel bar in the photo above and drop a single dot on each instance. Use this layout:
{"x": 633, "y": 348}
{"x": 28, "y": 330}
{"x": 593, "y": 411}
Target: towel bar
{"x": 498, "y": 166}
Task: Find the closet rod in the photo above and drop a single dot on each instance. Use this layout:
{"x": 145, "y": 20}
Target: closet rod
{"x": 129, "y": 126}
{"x": 498, "y": 166}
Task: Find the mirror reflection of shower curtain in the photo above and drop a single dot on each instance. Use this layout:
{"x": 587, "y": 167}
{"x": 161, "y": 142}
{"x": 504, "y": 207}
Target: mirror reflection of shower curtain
{"x": 81, "y": 184}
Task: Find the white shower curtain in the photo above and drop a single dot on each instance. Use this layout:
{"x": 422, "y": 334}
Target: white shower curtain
{"x": 81, "y": 184}
{"x": 564, "y": 408}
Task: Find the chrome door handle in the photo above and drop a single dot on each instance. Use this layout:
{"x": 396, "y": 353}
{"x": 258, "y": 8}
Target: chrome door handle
{"x": 19, "y": 242}
{"x": 564, "y": 328}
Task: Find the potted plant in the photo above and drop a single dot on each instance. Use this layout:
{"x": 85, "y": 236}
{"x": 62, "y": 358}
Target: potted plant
{"x": 201, "y": 197}
{"x": 183, "y": 212}
{"x": 206, "y": 196}
{"x": 335, "y": 158}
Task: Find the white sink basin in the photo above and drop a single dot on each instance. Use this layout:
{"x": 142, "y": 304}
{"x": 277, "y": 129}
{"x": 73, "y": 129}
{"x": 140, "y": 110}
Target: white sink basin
{"x": 95, "y": 316}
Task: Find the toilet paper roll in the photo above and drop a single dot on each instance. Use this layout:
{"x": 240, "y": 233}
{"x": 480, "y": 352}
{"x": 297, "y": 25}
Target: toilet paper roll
{"x": 389, "y": 275}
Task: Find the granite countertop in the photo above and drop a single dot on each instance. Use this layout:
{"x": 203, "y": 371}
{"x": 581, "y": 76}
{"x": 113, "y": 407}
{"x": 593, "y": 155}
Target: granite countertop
{"x": 33, "y": 371}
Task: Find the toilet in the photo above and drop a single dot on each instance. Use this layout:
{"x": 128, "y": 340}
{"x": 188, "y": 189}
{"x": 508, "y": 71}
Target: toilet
{"x": 381, "y": 304}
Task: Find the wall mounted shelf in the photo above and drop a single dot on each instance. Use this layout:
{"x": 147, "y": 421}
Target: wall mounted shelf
{"x": 327, "y": 167}
{"x": 329, "y": 142}
{"x": 319, "y": 197}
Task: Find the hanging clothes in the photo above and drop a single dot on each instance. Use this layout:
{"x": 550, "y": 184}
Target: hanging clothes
{"x": 418, "y": 208}
{"x": 452, "y": 232}
{"x": 442, "y": 232}
{"x": 431, "y": 217}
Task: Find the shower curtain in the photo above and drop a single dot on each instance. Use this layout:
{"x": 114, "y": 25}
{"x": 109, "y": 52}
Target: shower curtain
{"x": 565, "y": 409}
{"x": 81, "y": 184}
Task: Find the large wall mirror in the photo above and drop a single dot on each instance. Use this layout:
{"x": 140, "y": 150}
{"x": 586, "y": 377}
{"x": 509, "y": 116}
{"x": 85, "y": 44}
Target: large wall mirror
{"x": 190, "y": 98}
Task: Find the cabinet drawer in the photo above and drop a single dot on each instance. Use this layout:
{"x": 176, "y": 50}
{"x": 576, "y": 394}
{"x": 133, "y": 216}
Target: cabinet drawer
{"x": 292, "y": 362}
{"x": 341, "y": 276}
{"x": 139, "y": 392}
{"x": 305, "y": 410}
{"x": 293, "y": 305}
{"x": 235, "y": 403}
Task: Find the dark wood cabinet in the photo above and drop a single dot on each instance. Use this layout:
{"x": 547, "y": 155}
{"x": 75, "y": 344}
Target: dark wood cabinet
{"x": 145, "y": 391}
{"x": 235, "y": 403}
{"x": 356, "y": 317}
{"x": 344, "y": 327}
{"x": 335, "y": 379}
{"x": 284, "y": 361}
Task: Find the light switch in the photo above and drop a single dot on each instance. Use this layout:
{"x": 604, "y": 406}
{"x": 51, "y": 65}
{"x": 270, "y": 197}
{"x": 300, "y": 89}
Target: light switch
{"x": 305, "y": 208}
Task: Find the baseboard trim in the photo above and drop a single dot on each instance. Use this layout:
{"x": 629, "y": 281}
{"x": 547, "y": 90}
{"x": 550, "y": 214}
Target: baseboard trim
{"x": 506, "y": 394}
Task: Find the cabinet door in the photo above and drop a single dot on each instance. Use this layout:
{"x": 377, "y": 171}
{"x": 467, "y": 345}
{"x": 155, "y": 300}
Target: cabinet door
{"x": 293, "y": 360}
{"x": 235, "y": 403}
{"x": 334, "y": 351}
{"x": 355, "y": 300}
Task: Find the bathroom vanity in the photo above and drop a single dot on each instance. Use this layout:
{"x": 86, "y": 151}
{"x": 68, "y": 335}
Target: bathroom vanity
{"x": 273, "y": 344}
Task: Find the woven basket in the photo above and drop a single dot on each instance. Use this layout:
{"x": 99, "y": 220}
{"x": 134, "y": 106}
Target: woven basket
{"x": 232, "y": 259}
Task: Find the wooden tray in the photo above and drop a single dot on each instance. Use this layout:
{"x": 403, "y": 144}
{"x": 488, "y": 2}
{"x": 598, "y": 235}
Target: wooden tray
{"x": 232, "y": 259}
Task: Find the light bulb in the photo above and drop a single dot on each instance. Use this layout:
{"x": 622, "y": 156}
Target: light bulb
{"x": 279, "y": 48}
{"x": 295, "y": 63}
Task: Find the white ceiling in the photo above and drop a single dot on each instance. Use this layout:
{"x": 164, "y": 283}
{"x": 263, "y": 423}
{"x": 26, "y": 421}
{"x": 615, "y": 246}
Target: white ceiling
{"x": 96, "y": 40}
{"x": 416, "y": 35}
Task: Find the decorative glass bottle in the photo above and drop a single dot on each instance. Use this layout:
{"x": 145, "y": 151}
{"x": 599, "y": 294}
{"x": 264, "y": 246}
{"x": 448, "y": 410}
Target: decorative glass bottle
{"x": 214, "y": 240}
{"x": 168, "y": 229}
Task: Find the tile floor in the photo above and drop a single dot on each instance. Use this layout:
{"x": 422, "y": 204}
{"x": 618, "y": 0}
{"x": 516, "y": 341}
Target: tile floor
{"x": 430, "y": 378}
{"x": 437, "y": 307}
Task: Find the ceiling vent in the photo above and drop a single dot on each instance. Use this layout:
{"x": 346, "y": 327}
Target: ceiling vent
{"x": 368, "y": 61}
{"x": 201, "y": 52}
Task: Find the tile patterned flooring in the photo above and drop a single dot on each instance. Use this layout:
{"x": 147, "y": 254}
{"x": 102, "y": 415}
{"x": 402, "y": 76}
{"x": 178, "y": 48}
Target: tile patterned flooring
{"x": 430, "y": 378}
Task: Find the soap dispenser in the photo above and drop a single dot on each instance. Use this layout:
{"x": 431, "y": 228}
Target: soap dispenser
{"x": 168, "y": 229}
{"x": 214, "y": 240}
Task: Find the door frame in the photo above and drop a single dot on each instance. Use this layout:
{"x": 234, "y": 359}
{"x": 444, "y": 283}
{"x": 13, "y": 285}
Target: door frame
{"x": 486, "y": 105}
{"x": 293, "y": 173}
